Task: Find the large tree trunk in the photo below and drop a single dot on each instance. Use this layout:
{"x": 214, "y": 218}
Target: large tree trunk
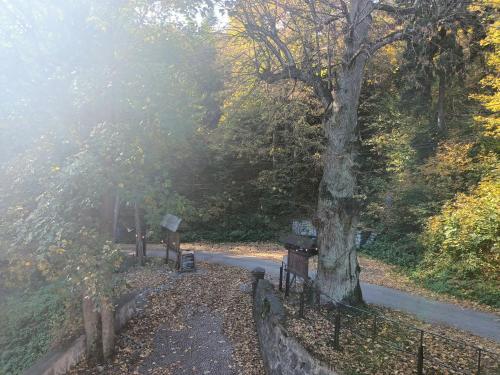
{"x": 338, "y": 269}
{"x": 92, "y": 325}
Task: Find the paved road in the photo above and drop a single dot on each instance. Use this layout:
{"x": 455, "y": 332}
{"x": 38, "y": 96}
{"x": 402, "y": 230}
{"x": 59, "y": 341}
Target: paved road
{"x": 479, "y": 323}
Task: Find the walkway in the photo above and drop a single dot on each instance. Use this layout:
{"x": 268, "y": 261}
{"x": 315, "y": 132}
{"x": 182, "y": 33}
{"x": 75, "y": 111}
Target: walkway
{"x": 479, "y": 323}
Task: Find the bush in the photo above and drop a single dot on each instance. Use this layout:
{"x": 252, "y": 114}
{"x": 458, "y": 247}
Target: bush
{"x": 231, "y": 235}
{"x": 461, "y": 246}
{"x": 404, "y": 251}
{"x": 245, "y": 228}
{"x": 29, "y": 325}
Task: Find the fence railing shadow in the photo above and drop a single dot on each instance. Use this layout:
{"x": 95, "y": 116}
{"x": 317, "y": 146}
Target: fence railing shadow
{"x": 431, "y": 352}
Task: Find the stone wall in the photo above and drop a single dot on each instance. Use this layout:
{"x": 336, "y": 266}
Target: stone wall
{"x": 60, "y": 360}
{"x": 282, "y": 354}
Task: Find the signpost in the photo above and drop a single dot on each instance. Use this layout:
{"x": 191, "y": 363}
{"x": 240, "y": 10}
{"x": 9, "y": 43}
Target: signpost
{"x": 298, "y": 264}
{"x": 301, "y": 246}
{"x": 184, "y": 259}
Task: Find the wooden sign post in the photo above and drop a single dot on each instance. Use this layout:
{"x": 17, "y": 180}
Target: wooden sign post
{"x": 184, "y": 261}
{"x": 172, "y": 243}
{"x": 298, "y": 264}
{"x": 301, "y": 246}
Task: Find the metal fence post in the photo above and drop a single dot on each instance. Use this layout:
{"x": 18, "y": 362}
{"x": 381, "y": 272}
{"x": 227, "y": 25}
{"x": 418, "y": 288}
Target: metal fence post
{"x": 301, "y": 306}
{"x": 336, "y": 332}
{"x": 420, "y": 355}
{"x": 287, "y": 282}
{"x": 281, "y": 277}
{"x": 479, "y": 361}
{"x": 374, "y": 327}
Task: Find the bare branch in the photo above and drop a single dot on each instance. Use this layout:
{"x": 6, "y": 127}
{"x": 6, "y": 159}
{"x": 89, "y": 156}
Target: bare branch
{"x": 393, "y": 9}
{"x": 320, "y": 87}
{"x": 388, "y": 39}
{"x": 375, "y": 46}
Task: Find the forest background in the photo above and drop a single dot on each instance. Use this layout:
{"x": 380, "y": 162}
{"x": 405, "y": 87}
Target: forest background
{"x": 154, "y": 102}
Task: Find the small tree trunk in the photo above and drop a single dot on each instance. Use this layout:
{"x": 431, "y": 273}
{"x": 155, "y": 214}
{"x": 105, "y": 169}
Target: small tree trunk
{"x": 441, "y": 123}
{"x": 139, "y": 244}
{"x": 116, "y": 215}
{"x": 107, "y": 210}
{"x": 108, "y": 328}
{"x": 92, "y": 325}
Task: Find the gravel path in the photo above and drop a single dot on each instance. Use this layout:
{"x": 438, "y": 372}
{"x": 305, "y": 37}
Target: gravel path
{"x": 199, "y": 348}
{"x": 479, "y": 323}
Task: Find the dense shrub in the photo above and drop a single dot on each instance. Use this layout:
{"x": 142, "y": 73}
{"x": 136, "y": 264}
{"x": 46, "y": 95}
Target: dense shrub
{"x": 251, "y": 228}
{"x": 404, "y": 251}
{"x": 462, "y": 245}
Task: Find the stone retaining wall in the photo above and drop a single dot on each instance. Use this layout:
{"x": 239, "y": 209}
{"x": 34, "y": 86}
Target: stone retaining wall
{"x": 60, "y": 360}
{"x": 282, "y": 354}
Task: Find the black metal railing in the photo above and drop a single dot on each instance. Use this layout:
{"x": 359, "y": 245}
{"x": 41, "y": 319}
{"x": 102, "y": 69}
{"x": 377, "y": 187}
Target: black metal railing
{"x": 432, "y": 352}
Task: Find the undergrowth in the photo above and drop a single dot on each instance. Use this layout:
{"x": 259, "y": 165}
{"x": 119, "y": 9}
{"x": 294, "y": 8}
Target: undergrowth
{"x": 30, "y": 325}
{"x": 407, "y": 254}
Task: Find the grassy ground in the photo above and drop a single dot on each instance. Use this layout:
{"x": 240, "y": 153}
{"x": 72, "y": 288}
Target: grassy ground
{"x": 32, "y": 321}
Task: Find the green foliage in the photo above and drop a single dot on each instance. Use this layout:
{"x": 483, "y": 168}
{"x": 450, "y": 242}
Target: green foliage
{"x": 29, "y": 325}
{"x": 248, "y": 228}
{"x": 114, "y": 110}
{"x": 409, "y": 172}
{"x": 405, "y": 251}
{"x": 462, "y": 245}
{"x": 118, "y": 98}
{"x": 62, "y": 237}
{"x": 257, "y": 170}
{"x": 90, "y": 109}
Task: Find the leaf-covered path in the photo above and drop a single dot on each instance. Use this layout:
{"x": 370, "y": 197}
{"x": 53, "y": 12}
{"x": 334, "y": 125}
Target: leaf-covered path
{"x": 191, "y": 323}
{"x": 480, "y": 323}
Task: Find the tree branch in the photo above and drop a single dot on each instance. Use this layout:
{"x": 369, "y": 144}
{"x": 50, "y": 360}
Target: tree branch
{"x": 375, "y": 46}
{"x": 388, "y": 39}
{"x": 393, "y": 9}
{"x": 320, "y": 87}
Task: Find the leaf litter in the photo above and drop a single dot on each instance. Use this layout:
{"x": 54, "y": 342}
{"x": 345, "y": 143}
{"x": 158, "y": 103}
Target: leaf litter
{"x": 173, "y": 302}
{"x": 393, "y": 349}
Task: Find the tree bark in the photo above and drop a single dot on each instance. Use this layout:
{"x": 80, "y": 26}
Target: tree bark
{"x": 108, "y": 328}
{"x": 116, "y": 215}
{"x": 338, "y": 211}
{"x": 92, "y": 326}
{"x": 139, "y": 244}
{"x": 107, "y": 213}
